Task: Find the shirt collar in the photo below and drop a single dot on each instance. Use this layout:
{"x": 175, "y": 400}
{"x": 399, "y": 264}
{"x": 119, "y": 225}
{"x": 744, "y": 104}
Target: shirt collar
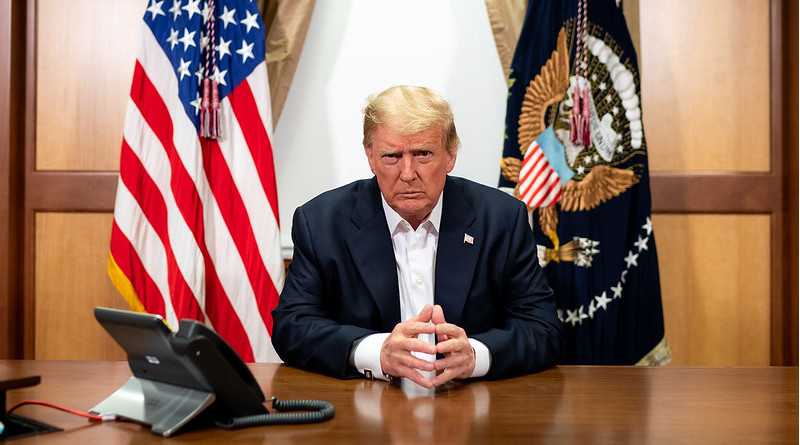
{"x": 393, "y": 219}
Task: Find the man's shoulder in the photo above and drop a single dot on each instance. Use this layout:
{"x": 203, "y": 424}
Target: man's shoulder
{"x": 341, "y": 198}
{"x": 481, "y": 195}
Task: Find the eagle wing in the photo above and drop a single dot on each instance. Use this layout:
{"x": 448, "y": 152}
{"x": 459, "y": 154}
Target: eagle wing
{"x": 600, "y": 185}
{"x": 547, "y": 88}
{"x": 509, "y": 168}
{"x": 548, "y": 220}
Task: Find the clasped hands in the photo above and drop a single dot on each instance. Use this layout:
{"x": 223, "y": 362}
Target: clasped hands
{"x": 459, "y": 357}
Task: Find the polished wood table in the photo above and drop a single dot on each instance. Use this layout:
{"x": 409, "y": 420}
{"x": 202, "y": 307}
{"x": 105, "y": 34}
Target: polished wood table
{"x": 566, "y": 404}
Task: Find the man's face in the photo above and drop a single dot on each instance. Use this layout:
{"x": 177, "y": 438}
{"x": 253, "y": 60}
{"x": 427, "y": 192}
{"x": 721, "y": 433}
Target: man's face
{"x": 411, "y": 170}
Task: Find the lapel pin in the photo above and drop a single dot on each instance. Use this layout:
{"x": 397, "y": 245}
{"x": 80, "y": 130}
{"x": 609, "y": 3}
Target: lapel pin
{"x": 468, "y": 239}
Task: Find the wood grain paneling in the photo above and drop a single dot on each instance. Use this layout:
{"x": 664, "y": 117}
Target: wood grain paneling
{"x": 85, "y": 59}
{"x": 787, "y": 35}
{"x": 717, "y": 84}
{"x": 715, "y": 281}
{"x": 71, "y": 255}
{"x": 705, "y": 73}
{"x": 12, "y": 130}
{"x": 7, "y": 304}
{"x": 712, "y": 192}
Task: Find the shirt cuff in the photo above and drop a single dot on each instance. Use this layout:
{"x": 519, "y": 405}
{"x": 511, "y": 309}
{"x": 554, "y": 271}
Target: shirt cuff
{"x": 483, "y": 358}
{"x": 367, "y": 356}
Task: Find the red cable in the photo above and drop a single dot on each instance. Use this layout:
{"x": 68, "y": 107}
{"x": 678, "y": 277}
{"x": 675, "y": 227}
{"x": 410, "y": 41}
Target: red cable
{"x": 69, "y": 410}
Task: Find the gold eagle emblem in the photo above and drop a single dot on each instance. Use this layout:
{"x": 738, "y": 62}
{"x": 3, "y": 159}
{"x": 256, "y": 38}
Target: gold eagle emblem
{"x": 598, "y": 186}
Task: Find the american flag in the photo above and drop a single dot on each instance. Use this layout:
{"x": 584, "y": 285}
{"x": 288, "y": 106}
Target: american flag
{"x": 196, "y": 230}
{"x": 539, "y": 184}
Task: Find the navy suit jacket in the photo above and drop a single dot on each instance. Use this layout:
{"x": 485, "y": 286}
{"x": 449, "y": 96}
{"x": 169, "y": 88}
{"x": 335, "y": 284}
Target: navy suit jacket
{"x": 342, "y": 282}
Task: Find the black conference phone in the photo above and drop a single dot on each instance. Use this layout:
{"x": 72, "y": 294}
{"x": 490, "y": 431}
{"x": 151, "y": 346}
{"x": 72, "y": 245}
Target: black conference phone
{"x": 190, "y": 375}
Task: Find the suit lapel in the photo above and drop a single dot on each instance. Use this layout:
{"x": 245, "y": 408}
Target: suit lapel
{"x": 371, "y": 249}
{"x": 456, "y": 256}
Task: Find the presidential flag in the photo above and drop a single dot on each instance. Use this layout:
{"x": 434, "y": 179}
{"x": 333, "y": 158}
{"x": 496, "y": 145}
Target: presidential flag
{"x": 195, "y": 231}
{"x": 574, "y": 92}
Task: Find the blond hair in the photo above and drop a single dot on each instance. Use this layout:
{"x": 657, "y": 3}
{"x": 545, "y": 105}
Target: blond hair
{"x": 410, "y": 109}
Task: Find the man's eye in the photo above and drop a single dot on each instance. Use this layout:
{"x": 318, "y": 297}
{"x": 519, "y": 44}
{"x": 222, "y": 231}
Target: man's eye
{"x": 390, "y": 158}
{"x": 424, "y": 153}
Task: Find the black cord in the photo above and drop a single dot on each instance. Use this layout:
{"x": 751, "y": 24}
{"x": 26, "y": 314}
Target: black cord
{"x": 314, "y": 411}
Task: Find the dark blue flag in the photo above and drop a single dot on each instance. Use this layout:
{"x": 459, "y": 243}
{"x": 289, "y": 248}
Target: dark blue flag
{"x": 574, "y": 108}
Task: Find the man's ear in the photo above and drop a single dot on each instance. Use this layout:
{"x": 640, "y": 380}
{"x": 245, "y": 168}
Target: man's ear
{"x": 451, "y": 161}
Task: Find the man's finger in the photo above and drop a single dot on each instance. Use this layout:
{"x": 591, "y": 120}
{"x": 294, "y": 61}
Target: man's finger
{"x": 450, "y": 331}
{"x": 398, "y": 362}
{"x": 451, "y": 346}
{"x": 415, "y": 363}
{"x": 437, "y": 315}
{"x": 419, "y": 379}
{"x": 417, "y": 345}
{"x": 437, "y": 318}
{"x": 455, "y": 360}
{"x": 455, "y": 366}
{"x": 425, "y": 314}
{"x": 444, "y": 377}
{"x": 413, "y": 328}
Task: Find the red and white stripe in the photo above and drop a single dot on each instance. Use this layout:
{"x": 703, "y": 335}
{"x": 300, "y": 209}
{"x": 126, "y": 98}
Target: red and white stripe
{"x": 196, "y": 227}
{"x": 539, "y": 185}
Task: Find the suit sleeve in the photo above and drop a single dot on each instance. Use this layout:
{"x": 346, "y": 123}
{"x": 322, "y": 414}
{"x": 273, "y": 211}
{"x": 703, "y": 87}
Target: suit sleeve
{"x": 305, "y": 333}
{"x": 531, "y": 336}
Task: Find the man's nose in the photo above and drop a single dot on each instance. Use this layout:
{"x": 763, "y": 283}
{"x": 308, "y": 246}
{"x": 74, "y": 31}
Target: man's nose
{"x": 407, "y": 169}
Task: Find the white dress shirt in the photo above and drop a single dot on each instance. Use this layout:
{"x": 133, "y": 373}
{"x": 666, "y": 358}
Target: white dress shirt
{"x": 415, "y": 256}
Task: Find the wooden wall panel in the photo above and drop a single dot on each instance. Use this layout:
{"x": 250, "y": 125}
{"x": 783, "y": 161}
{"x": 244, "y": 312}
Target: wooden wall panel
{"x": 71, "y": 254}
{"x": 705, "y": 72}
{"x": 84, "y": 69}
{"x": 12, "y": 126}
{"x": 715, "y": 281}
{"x": 789, "y": 90}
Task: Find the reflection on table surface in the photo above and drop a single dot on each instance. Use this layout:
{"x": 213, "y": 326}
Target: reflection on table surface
{"x": 413, "y": 414}
{"x": 567, "y": 404}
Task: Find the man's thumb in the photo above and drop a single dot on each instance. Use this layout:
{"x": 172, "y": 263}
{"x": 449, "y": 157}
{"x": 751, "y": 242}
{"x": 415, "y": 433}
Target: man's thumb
{"x": 438, "y": 315}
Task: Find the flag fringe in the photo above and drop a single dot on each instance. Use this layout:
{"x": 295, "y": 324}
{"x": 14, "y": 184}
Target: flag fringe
{"x": 659, "y": 356}
{"x": 123, "y": 285}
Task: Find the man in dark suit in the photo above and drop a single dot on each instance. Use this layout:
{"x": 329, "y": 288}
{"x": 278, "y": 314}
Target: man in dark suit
{"x": 414, "y": 273}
